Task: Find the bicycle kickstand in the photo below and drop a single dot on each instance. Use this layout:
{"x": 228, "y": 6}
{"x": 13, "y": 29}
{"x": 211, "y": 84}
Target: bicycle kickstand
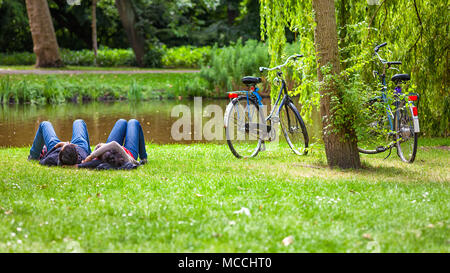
{"x": 263, "y": 146}
{"x": 390, "y": 151}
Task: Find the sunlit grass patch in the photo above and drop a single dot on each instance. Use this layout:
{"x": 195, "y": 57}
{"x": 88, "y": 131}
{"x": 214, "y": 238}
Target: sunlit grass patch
{"x": 189, "y": 198}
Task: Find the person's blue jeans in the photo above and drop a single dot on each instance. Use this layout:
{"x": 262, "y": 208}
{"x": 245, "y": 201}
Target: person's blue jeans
{"x": 130, "y": 135}
{"x": 46, "y": 135}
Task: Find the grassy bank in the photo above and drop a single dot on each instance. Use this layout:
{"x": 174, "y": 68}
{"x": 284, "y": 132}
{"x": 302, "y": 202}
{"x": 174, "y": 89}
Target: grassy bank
{"x": 41, "y": 89}
{"x": 86, "y": 68}
{"x": 186, "y": 198}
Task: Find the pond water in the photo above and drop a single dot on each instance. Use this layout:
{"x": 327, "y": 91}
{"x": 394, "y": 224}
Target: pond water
{"x": 18, "y": 123}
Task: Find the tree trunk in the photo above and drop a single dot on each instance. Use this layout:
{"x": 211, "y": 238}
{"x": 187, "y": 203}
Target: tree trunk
{"x": 128, "y": 18}
{"x": 94, "y": 30}
{"x": 43, "y": 34}
{"x": 232, "y": 13}
{"x": 341, "y": 146}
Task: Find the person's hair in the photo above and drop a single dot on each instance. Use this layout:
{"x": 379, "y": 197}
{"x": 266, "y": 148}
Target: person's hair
{"x": 113, "y": 158}
{"x": 68, "y": 155}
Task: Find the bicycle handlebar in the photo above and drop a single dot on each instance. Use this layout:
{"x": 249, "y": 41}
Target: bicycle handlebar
{"x": 380, "y": 46}
{"x": 295, "y": 57}
{"x": 384, "y": 61}
{"x": 396, "y": 62}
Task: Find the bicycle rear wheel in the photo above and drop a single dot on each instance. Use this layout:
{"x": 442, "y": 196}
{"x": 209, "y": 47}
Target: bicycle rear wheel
{"x": 294, "y": 129}
{"x": 242, "y": 127}
{"x": 406, "y": 136}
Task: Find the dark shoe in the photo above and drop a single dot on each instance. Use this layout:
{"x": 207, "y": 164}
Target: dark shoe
{"x": 30, "y": 158}
{"x": 143, "y": 161}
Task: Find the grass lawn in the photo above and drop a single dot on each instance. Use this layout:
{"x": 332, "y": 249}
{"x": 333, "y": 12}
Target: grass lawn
{"x": 185, "y": 199}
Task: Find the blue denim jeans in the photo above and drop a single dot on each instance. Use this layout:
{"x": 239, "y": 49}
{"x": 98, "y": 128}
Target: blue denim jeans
{"x": 130, "y": 135}
{"x": 46, "y": 135}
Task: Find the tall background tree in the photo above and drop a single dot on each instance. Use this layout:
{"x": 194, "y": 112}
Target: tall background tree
{"x": 94, "y": 29}
{"x": 44, "y": 38}
{"x": 128, "y": 17}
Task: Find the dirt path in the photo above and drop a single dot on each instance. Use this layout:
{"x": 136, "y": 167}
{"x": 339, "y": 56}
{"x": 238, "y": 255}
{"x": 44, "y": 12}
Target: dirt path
{"x": 46, "y": 71}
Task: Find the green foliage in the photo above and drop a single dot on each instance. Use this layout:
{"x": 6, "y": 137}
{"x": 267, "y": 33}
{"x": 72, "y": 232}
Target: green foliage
{"x": 170, "y": 22}
{"x": 416, "y": 33}
{"x": 14, "y": 28}
{"x": 135, "y": 92}
{"x": 199, "y": 87}
{"x": 56, "y": 89}
{"x": 229, "y": 64}
{"x": 226, "y": 66}
{"x": 186, "y": 56}
{"x": 106, "y": 57}
{"x": 17, "y": 58}
{"x": 178, "y": 57}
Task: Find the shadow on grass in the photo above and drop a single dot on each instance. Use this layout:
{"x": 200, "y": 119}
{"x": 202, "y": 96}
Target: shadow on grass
{"x": 382, "y": 170}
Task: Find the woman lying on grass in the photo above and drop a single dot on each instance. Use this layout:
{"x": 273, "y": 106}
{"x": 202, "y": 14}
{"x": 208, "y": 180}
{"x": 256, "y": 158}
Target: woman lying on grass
{"x": 121, "y": 150}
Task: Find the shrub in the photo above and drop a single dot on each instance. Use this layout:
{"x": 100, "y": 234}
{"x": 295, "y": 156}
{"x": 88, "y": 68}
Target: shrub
{"x": 186, "y": 56}
{"x": 156, "y": 56}
{"x": 17, "y": 58}
{"x": 106, "y": 57}
{"x": 229, "y": 64}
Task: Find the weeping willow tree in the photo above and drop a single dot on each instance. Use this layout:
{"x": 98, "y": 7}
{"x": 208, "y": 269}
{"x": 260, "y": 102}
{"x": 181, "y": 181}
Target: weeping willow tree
{"x": 340, "y": 141}
{"x": 416, "y": 32}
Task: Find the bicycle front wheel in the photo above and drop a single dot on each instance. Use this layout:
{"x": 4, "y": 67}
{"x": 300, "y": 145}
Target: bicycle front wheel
{"x": 294, "y": 129}
{"x": 243, "y": 119}
{"x": 376, "y": 136}
{"x": 406, "y": 136}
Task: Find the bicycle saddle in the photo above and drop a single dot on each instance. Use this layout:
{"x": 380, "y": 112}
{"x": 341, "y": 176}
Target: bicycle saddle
{"x": 400, "y": 78}
{"x": 251, "y": 80}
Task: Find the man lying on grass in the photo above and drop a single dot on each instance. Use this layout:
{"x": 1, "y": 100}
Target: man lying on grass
{"x": 57, "y": 153}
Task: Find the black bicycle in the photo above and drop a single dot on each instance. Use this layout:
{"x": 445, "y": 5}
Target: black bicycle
{"x": 246, "y": 126}
{"x": 389, "y": 127}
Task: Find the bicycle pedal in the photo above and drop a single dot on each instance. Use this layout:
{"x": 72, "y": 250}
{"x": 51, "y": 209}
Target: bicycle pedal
{"x": 381, "y": 149}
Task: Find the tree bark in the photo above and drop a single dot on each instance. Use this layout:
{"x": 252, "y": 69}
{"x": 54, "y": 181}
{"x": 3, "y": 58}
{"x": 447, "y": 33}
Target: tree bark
{"x": 340, "y": 145}
{"x": 128, "y": 18}
{"x": 94, "y": 30}
{"x": 43, "y": 34}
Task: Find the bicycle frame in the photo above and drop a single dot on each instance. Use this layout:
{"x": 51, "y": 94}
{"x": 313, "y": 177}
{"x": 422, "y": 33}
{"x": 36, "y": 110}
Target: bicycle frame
{"x": 384, "y": 99}
{"x": 277, "y": 106}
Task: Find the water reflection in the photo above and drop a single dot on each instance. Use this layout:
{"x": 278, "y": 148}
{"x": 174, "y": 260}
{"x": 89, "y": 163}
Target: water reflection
{"x": 18, "y": 123}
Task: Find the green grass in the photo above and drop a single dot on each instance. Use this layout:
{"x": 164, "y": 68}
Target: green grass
{"x": 184, "y": 200}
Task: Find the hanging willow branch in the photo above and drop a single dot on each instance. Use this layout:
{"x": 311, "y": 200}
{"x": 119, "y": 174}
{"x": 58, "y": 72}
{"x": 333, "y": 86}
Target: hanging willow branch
{"x": 421, "y": 26}
{"x": 375, "y": 14}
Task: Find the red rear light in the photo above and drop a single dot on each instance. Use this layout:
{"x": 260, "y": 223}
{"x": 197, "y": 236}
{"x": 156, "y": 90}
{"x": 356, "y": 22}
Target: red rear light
{"x": 415, "y": 112}
{"x": 413, "y": 98}
{"x": 232, "y": 95}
